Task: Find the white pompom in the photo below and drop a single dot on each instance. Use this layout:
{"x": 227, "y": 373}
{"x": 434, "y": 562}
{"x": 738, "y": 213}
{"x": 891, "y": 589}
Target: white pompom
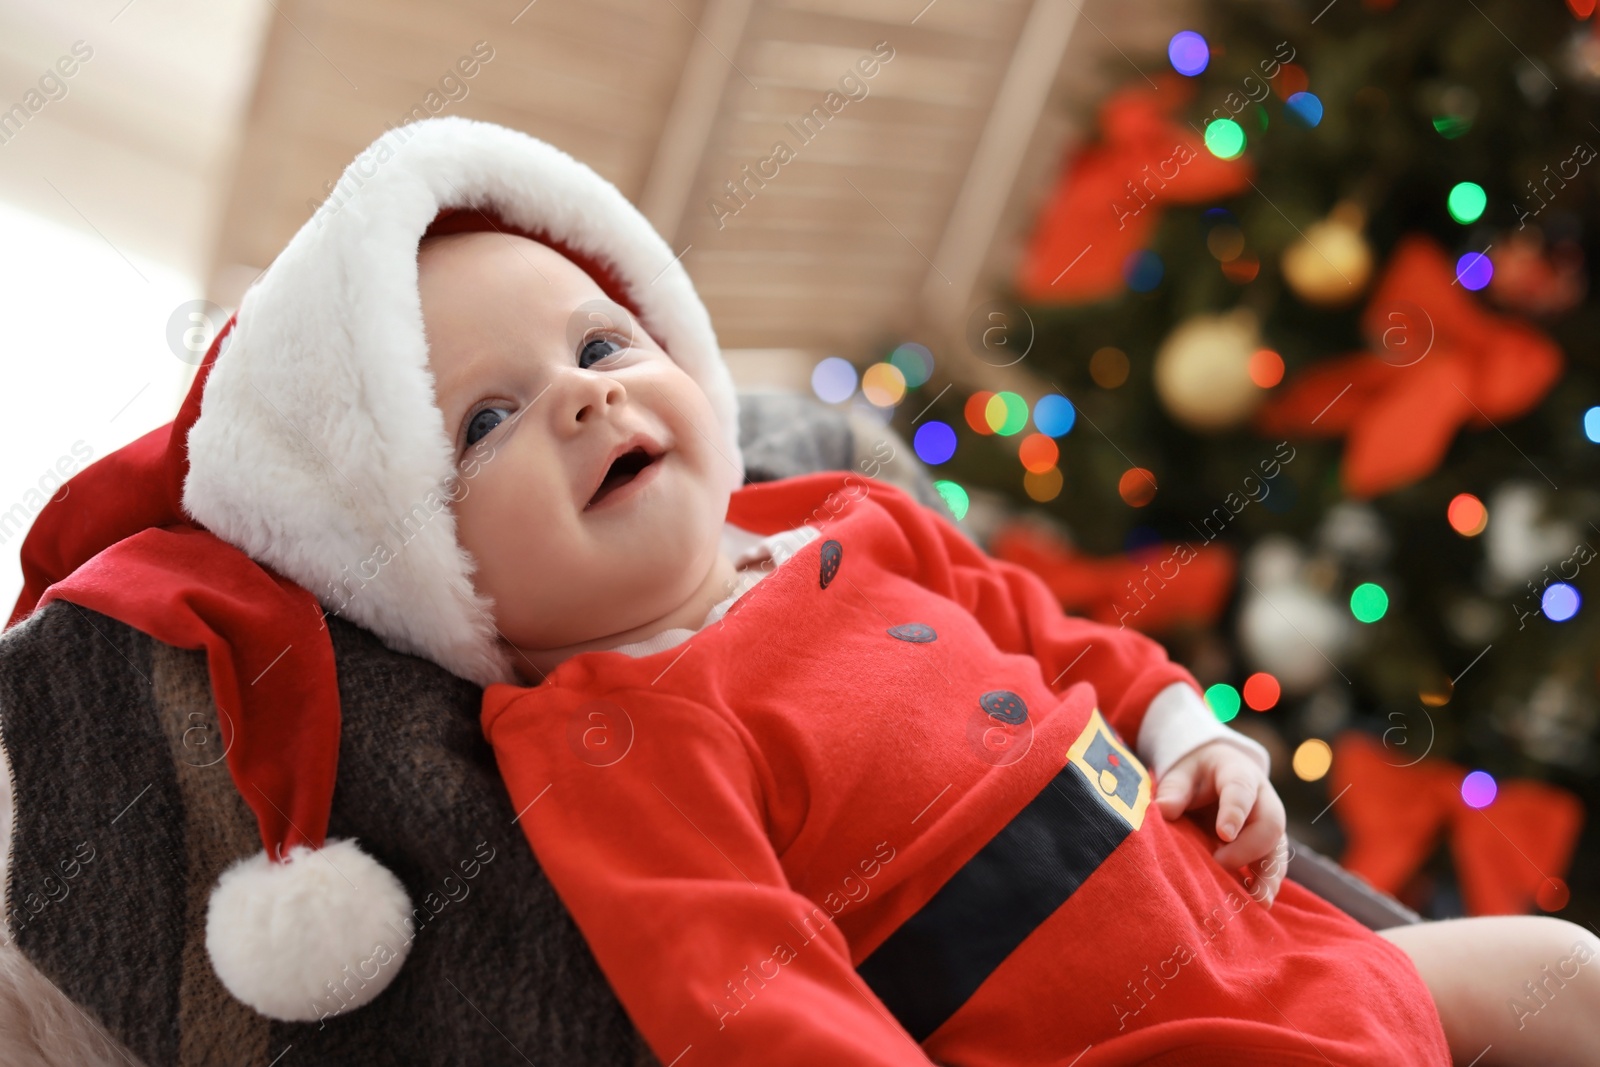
{"x": 322, "y": 933}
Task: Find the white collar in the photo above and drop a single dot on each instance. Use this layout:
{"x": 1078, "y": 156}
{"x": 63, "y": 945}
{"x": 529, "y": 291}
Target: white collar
{"x": 739, "y": 545}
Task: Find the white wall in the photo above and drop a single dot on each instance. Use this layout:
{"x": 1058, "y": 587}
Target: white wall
{"x": 109, "y": 196}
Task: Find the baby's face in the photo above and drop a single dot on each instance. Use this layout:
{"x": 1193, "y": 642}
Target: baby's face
{"x": 540, "y": 395}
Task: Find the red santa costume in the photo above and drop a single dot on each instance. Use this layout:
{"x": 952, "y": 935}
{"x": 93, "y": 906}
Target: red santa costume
{"x": 881, "y": 808}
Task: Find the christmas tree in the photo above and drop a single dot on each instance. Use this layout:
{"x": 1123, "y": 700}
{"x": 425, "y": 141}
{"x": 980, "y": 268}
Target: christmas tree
{"x": 1316, "y": 300}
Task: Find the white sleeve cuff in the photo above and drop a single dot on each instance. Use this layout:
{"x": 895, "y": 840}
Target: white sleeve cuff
{"x": 1178, "y": 722}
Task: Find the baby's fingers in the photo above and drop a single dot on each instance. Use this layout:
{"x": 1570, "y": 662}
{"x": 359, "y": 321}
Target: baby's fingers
{"x": 1269, "y": 873}
{"x": 1176, "y": 790}
{"x": 1260, "y": 835}
{"x": 1237, "y": 789}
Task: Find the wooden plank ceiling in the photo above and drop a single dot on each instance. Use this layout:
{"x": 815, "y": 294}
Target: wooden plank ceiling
{"x": 888, "y": 222}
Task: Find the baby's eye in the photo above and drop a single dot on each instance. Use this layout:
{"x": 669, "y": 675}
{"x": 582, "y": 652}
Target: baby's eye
{"x": 595, "y": 347}
{"x": 482, "y": 423}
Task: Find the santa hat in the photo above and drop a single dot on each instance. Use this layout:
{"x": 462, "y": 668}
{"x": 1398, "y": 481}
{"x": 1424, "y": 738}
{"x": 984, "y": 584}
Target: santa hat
{"x": 310, "y": 448}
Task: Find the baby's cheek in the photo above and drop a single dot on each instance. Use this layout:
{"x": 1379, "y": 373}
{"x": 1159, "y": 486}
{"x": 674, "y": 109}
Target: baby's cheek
{"x": 510, "y": 541}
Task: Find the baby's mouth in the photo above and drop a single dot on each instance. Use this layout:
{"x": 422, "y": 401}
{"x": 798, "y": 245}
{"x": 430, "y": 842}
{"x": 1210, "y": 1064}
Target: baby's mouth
{"x": 626, "y": 467}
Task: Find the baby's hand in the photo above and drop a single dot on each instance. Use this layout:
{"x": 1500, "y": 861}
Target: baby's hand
{"x": 1222, "y": 772}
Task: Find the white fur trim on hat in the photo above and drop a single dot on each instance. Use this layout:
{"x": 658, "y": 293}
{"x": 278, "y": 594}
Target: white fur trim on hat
{"x": 320, "y": 450}
{"x": 321, "y": 933}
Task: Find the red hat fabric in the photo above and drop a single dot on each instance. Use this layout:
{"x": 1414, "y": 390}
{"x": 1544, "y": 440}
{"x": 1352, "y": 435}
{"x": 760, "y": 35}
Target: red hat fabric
{"x": 118, "y": 543}
{"x": 308, "y": 442}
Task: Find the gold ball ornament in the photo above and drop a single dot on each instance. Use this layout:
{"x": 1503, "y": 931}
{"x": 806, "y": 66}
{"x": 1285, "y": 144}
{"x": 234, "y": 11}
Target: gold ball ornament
{"x": 1331, "y": 265}
{"x": 1202, "y": 372}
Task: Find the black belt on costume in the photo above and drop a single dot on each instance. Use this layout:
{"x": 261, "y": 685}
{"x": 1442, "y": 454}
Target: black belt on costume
{"x": 929, "y": 967}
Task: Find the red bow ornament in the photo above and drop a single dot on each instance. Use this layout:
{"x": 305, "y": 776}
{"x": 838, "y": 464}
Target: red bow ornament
{"x": 1438, "y": 361}
{"x": 1149, "y": 589}
{"x": 1507, "y": 854}
{"x": 1109, "y": 200}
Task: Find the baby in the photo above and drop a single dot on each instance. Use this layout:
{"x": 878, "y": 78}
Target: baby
{"x": 822, "y": 783}
{"x": 819, "y": 781}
